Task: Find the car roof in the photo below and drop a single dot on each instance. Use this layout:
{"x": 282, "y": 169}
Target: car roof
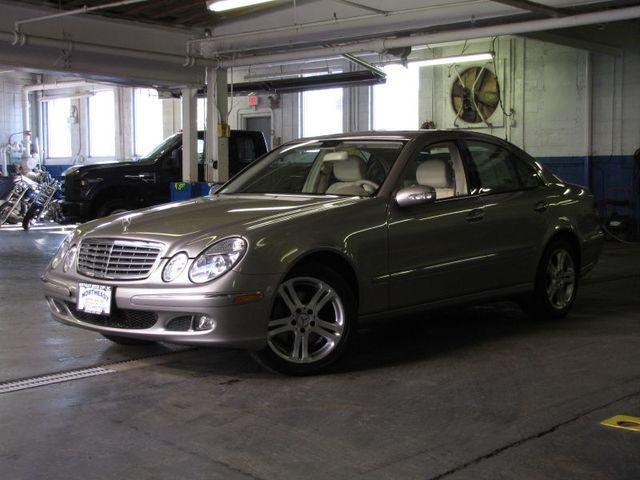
{"x": 403, "y": 135}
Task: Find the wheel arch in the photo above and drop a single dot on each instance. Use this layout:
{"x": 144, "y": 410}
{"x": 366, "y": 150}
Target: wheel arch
{"x": 570, "y": 236}
{"x": 332, "y": 259}
{"x": 110, "y": 192}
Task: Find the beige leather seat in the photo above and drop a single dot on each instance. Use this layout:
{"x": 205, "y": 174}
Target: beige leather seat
{"x": 436, "y": 174}
{"x": 348, "y": 172}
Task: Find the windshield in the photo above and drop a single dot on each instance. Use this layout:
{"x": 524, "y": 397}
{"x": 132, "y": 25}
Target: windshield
{"x": 166, "y": 145}
{"x": 321, "y": 167}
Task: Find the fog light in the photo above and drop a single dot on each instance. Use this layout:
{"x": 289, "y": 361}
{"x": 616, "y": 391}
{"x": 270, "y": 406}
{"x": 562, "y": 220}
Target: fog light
{"x": 203, "y": 322}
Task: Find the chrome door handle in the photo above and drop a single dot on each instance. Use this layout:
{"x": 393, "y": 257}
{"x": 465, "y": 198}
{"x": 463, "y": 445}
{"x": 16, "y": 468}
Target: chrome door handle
{"x": 541, "y": 206}
{"x": 475, "y": 215}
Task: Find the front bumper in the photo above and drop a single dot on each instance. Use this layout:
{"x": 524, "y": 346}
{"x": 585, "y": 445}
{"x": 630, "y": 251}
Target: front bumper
{"x": 237, "y": 325}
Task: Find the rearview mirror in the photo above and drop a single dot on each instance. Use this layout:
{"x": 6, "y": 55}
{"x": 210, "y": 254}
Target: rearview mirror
{"x": 416, "y": 195}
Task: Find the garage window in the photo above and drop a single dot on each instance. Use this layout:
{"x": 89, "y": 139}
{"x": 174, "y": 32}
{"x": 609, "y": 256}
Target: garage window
{"x": 147, "y": 115}
{"x": 58, "y": 132}
{"x": 322, "y": 112}
{"x": 102, "y": 125}
{"x": 201, "y": 113}
{"x": 395, "y": 104}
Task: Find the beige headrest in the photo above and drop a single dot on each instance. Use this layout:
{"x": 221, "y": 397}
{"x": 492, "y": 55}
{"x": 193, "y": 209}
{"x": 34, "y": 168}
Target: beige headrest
{"x": 349, "y": 170}
{"x": 433, "y": 173}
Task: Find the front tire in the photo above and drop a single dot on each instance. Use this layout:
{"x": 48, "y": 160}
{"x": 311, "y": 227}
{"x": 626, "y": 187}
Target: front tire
{"x": 556, "y": 281}
{"x": 312, "y": 322}
{"x": 127, "y": 340}
{"x": 30, "y": 217}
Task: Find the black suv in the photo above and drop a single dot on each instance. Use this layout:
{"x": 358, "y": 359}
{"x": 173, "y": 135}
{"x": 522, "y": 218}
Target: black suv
{"x": 93, "y": 191}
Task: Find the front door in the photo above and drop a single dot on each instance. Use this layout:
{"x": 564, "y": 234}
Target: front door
{"x": 432, "y": 250}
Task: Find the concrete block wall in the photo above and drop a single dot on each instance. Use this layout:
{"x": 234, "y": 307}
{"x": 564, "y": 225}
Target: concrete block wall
{"x": 11, "y": 103}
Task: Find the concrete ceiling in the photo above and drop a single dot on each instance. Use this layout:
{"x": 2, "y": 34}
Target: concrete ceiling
{"x": 115, "y": 45}
{"x": 315, "y": 23}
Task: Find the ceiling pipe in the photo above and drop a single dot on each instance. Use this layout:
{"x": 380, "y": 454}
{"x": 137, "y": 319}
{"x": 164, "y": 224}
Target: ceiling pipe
{"x": 381, "y": 45}
{"x": 43, "y": 87}
{"x": 84, "y": 9}
{"x": 47, "y": 42}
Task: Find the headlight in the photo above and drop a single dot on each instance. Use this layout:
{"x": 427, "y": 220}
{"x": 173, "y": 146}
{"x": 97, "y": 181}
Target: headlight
{"x": 62, "y": 249}
{"x": 69, "y": 258}
{"x": 174, "y": 267}
{"x": 217, "y": 259}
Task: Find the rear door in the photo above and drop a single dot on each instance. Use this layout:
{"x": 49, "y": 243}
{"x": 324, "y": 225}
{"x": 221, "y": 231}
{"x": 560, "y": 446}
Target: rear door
{"x": 514, "y": 205}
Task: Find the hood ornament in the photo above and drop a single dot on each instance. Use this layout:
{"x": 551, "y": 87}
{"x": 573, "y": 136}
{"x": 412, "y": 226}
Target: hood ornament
{"x": 126, "y": 223}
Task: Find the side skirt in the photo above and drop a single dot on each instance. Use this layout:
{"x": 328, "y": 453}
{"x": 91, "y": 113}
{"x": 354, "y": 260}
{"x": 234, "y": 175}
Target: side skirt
{"x": 471, "y": 299}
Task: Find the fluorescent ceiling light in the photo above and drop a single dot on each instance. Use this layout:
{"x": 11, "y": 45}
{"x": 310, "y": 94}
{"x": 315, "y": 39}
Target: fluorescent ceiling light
{"x": 224, "y": 5}
{"x": 477, "y": 57}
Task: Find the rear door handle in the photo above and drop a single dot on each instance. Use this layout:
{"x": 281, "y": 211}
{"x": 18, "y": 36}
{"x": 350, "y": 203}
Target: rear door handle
{"x": 475, "y": 215}
{"x": 541, "y": 206}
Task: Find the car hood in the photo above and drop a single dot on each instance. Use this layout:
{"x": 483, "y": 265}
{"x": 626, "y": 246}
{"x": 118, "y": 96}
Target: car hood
{"x": 111, "y": 167}
{"x": 203, "y": 220}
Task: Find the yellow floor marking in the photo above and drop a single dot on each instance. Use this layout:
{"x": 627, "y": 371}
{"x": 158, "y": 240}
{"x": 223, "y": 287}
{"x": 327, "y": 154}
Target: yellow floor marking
{"x": 624, "y": 422}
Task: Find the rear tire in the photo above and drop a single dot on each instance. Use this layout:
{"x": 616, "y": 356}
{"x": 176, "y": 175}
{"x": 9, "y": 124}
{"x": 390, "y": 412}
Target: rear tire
{"x": 127, "y": 340}
{"x": 557, "y": 279}
{"x": 312, "y": 322}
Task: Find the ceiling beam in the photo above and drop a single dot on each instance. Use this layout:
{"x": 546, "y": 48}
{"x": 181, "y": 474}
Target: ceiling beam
{"x": 533, "y": 7}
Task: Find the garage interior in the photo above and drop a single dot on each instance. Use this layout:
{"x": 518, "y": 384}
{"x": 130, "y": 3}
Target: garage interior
{"x": 474, "y": 393}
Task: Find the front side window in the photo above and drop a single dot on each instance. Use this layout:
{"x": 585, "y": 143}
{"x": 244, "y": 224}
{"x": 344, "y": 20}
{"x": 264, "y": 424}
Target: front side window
{"x": 331, "y": 167}
{"x": 102, "y": 124}
{"x": 58, "y": 132}
{"x": 438, "y": 166}
{"x": 491, "y": 168}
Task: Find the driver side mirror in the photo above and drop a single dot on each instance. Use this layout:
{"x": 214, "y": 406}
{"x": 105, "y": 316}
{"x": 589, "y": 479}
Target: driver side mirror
{"x": 215, "y": 188}
{"x": 416, "y": 195}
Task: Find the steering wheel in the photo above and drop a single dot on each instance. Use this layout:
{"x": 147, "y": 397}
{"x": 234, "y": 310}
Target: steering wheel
{"x": 367, "y": 185}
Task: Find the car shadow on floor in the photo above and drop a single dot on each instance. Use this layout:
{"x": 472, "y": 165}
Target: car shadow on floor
{"x": 435, "y": 334}
{"x": 397, "y": 341}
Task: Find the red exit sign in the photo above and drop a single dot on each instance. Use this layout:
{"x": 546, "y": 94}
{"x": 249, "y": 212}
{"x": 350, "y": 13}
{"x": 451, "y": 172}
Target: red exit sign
{"x": 253, "y": 100}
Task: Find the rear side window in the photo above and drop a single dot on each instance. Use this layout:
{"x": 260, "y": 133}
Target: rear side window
{"x": 491, "y": 168}
{"x": 527, "y": 174}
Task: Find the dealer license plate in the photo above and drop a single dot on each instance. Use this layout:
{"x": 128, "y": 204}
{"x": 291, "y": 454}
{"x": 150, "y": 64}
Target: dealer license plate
{"x": 94, "y": 298}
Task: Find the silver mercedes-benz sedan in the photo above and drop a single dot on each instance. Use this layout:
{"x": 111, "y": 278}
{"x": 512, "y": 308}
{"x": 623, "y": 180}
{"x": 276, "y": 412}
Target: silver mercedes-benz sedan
{"x": 320, "y": 234}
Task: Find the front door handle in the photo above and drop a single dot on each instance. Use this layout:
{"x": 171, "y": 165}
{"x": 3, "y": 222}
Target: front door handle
{"x": 475, "y": 215}
{"x": 541, "y": 206}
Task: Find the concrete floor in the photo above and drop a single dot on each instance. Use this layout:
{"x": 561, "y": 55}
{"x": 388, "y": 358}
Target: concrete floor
{"x": 483, "y": 393}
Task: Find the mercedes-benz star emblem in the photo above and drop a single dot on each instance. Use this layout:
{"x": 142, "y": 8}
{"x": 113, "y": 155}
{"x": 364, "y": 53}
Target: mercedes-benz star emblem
{"x": 126, "y": 223}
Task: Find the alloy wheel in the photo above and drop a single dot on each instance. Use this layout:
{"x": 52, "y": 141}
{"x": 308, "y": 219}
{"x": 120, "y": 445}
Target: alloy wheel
{"x": 308, "y": 320}
{"x": 560, "y": 279}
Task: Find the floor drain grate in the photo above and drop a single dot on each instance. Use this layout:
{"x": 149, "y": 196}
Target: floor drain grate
{"x": 69, "y": 375}
{"x": 40, "y": 381}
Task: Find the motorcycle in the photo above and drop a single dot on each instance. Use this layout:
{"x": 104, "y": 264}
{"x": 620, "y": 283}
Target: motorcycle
{"x": 45, "y": 204}
{"x": 17, "y": 197}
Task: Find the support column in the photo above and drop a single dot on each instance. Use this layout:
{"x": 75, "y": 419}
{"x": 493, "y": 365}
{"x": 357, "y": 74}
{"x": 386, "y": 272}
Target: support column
{"x": 217, "y": 135}
{"x": 189, "y": 135}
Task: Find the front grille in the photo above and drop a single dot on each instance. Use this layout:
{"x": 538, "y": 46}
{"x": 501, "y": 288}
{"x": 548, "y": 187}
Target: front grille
{"x": 117, "y": 259}
{"x": 126, "y": 319}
